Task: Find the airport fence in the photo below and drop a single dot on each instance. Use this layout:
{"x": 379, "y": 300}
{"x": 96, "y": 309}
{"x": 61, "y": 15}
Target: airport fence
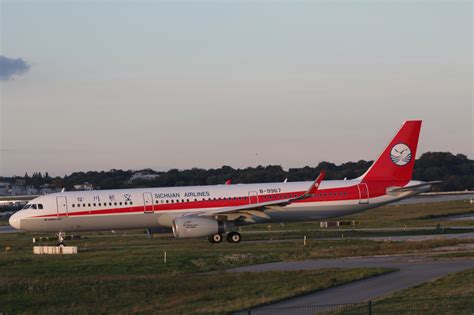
{"x": 459, "y": 305}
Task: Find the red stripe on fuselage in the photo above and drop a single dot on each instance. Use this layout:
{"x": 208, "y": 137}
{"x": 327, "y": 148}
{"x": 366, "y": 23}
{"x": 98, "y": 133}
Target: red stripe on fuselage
{"x": 323, "y": 195}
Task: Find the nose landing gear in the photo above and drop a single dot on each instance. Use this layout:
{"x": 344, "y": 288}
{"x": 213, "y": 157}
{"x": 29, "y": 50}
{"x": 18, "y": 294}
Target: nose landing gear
{"x": 61, "y": 236}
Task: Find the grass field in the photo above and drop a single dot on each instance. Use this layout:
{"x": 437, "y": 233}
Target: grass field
{"x": 429, "y": 214}
{"x": 128, "y": 275}
{"x": 393, "y": 216}
{"x": 456, "y": 284}
{"x": 158, "y": 292}
{"x": 125, "y": 273}
{"x": 453, "y": 294}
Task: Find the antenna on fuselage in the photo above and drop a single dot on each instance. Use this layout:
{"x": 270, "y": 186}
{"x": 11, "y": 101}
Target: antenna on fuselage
{"x": 64, "y": 189}
{"x": 286, "y": 179}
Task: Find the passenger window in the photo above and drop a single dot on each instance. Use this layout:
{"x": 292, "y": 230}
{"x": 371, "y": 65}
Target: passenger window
{"x": 73, "y": 205}
{"x": 88, "y": 204}
{"x": 93, "y": 204}
{"x": 84, "y": 205}
{"x": 110, "y": 203}
{"x": 167, "y": 201}
{"x": 115, "y": 203}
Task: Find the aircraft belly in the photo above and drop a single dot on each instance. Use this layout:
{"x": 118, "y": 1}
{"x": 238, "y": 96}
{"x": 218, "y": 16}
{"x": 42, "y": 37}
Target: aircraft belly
{"x": 91, "y": 223}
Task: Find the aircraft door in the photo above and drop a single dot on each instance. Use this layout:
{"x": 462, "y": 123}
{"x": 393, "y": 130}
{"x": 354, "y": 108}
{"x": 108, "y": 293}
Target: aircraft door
{"x": 147, "y": 203}
{"x": 363, "y": 193}
{"x": 61, "y": 202}
{"x": 253, "y": 197}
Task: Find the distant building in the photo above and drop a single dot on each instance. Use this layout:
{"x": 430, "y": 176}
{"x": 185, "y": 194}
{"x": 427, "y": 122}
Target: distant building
{"x": 142, "y": 176}
{"x": 16, "y": 190}
{"x": 20, "y": 182}
{"x": 30, "y": 190}
{"x": 84, "y": 186}
{"x": 8, "y": 189}
{"x": 48, "y": 189}
{"x": 4, "y": 189}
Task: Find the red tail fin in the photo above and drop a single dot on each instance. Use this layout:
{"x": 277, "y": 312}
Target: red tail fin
{"x": 397, "y": 160}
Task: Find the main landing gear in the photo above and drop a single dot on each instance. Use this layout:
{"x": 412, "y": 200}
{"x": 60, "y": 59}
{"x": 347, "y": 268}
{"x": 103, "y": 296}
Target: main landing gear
{"x": 216, "y": 238}
{"x": 232, "y": 237}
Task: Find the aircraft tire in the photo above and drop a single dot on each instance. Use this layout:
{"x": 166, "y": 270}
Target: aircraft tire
{"x": 215, "y": 238}
{"x": 234, "y": 237}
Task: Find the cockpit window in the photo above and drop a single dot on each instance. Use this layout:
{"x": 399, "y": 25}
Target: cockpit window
{"x": 33, "y": 206}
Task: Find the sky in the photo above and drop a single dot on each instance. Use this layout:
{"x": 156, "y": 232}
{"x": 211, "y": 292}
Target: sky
{"x": 96, "y": 85}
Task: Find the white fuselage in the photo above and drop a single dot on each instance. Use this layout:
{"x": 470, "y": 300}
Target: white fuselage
{"x": 158, "y": 207}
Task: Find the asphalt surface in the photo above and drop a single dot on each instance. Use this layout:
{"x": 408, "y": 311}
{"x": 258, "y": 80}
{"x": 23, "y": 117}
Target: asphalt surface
{"x": 7, "y": 229}
{"x": 412, "y": 271}
{"x": 417, "y": 238}
{"x": 434, "y": 198}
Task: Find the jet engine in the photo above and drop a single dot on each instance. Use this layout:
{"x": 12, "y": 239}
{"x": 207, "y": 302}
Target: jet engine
{"x": 197, "y": 227}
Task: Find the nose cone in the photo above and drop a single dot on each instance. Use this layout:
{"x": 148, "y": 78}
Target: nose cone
{"x": 15, "y": 220}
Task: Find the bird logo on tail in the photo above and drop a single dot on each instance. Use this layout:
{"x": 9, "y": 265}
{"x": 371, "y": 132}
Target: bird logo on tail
{"x": 400, "y": 154}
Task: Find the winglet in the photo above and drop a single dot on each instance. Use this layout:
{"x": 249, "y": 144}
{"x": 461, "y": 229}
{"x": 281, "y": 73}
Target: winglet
{"x": 315, "y": 185}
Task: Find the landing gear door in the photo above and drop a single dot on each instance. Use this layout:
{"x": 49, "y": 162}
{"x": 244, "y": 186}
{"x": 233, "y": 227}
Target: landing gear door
{"x": 61, "y": 202}
{"x": 363, "y": 193}
{"x": 253, "y": 197}
{"x": 148, "y": 203}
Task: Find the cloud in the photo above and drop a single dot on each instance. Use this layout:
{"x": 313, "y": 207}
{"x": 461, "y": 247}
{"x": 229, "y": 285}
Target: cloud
{"x": 12, "y": 67}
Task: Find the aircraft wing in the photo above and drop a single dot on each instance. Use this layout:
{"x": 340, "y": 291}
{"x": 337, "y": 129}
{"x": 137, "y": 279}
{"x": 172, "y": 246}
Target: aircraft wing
{"x": 258, "y": 208}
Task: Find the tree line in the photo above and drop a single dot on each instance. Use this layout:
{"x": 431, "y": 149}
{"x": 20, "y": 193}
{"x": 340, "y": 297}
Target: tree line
{"x": 456, "y": 172}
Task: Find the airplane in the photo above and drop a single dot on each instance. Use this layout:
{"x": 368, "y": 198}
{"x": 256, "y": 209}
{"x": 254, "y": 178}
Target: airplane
{"x": 218, "y": 210}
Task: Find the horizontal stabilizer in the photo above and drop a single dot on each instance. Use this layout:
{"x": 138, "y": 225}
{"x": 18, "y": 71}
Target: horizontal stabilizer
{"x": 413, "y": 187}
